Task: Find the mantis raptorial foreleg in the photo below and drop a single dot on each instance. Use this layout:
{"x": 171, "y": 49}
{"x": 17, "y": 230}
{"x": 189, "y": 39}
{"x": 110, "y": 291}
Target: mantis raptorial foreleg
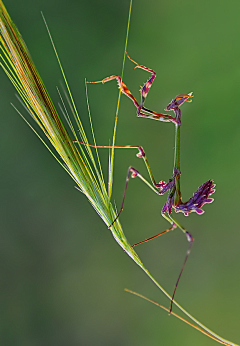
{"x": 141, "y": 110}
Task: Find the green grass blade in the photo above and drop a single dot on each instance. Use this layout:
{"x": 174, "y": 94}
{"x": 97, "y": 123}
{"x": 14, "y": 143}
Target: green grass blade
{"x": 110, "y": 181}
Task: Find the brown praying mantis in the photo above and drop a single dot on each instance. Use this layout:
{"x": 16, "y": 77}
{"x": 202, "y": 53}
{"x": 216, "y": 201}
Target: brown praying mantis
{"x": 174, "y": 200}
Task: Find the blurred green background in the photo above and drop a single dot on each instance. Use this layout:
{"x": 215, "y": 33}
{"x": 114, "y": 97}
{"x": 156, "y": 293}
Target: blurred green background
{"x": 62, "y": 273}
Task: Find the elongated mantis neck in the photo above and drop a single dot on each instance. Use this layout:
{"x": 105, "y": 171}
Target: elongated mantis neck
{"x": 177, "y": 156}
{"x": 177, "y": 148}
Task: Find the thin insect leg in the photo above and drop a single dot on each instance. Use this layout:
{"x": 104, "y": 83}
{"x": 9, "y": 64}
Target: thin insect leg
{"x": 142, "y": 111}
{"x": 190, "y": 240}
{"x": 141, "y": 153}
{"x": 147, "y": 113}
{"x": 126, "y": 91}
{"x": 157, "y": 235}
{"x": 121, "y": 85}
{"x": 146, "y": 87}
{"x": 132, "y": 171}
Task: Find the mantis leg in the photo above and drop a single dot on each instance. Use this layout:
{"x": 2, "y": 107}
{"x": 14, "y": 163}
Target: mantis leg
{"x": 141, "y": 153}
{"x": 147, "y": 113}
{"x": 121, "y": 85}
{"x": 190, "y": 240}
{"x": 141, "y": 111}
{"x": 146, "y": 87}
{"x": 156, "y": 235}
{"x": 133, "y": 173}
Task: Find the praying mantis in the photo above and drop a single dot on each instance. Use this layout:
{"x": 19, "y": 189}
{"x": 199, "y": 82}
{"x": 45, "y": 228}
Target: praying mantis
{"x": 174, "y": 199}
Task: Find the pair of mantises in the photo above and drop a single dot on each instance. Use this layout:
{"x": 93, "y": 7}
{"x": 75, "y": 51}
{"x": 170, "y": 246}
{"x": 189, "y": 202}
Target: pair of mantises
{"x": 174, "y": 200}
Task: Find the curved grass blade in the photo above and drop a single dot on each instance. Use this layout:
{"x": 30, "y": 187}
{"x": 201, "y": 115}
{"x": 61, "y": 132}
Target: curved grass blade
{"x": 220, "y": 341}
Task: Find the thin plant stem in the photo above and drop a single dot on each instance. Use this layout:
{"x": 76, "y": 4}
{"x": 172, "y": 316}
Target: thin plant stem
{"x": 110, "y": 182}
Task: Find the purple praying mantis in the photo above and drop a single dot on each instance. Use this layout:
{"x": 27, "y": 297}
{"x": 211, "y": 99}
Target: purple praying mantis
{"x": 174, "y": 199}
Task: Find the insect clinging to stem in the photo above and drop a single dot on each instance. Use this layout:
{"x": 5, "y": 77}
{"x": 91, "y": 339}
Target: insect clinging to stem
{"x": 174, "y": 199}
